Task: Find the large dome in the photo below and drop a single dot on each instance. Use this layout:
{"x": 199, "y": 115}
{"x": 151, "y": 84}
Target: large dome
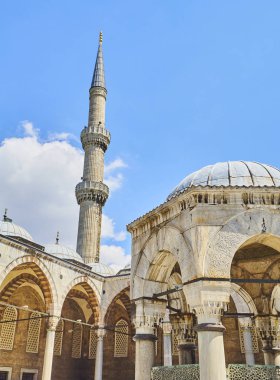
{"x": 231, "y": 173}
{"x": 11, "y": 229}
{"x": 63, "y": 252}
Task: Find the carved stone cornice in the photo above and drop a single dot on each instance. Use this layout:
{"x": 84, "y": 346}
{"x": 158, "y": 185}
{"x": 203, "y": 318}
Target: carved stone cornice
{"x": 92, "y": 191}
{"x": 101, "y": 91}
{"x": 95, "y": 135}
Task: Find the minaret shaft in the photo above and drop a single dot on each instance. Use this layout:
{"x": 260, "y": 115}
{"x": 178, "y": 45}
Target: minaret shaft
{"x": 92, "y": 193}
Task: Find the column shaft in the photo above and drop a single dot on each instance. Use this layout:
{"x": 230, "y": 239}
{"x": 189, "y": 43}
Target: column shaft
{"x": 211, "y": 352}
{"x": 248, "y": 346}
{"x": 167, "y": 350}
{"x": 48, "y": 358}
{"x": 99, "y": 359}
{"x": 144, "y": 355}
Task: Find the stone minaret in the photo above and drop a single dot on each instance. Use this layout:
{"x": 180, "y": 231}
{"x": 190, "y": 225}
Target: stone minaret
{"x": 92, "y": 193}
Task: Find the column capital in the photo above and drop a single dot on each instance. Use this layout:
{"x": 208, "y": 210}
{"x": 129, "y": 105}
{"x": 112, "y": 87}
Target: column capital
{"x": 101, "y": 332}
{"x": 149, "y": 313}
{"x": 52, "y": 323}
{"x": 185, "y": 331}
{"x": 208, "y": 300}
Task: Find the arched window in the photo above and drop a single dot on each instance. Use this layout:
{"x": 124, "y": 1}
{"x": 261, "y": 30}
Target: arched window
{"x": 33, "y": 335}
{"x": 121, "y": 339}
{"x": 58, "y": 338}
{"x": 92, "y": 347}
{"x": 8, "y": 329}
{"x": 77, "y": 341}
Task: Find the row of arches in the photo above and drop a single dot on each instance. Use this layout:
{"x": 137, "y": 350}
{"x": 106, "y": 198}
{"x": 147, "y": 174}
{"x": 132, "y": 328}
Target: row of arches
{"x": 27, "y": 303}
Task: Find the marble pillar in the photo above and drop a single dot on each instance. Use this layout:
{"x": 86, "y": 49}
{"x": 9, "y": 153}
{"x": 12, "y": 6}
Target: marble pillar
{"x": 167, "y": 340}
{"x": 99, "y": 353}
{"x": 148, "y": 314}
{"x": 49, "y": 347}
{"x": 276, "y": 351}
{"x": 246, "y": 329}
{"x": 186, "y": 352}
{"x": 208, "y": 300}
{"x": 144, "y": 352}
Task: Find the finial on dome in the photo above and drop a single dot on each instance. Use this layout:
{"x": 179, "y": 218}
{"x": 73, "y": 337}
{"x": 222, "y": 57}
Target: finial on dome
{"x": 5, "y": 218}
{"x": 100, "y": 38}
{"x": 57, "y": 238}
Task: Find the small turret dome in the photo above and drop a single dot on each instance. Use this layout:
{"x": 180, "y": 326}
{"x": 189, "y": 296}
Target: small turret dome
{"x": 8, "y": 228}
{"x": 102, "y": 269}
{"x": 232, "y": 173}
{"x": 126, "y": 269}
{"x": 63, "y": 252}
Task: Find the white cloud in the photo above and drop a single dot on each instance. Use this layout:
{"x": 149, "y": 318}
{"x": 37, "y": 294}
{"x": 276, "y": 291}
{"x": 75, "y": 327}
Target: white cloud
{"x": 108, "y": 229}
{"x": 38, "y": 186}
{"x": 63, "y": 136}
{"x": 116, "y": 164}
{"x": 28, "y": 128}
{"x": 114, "y": 256}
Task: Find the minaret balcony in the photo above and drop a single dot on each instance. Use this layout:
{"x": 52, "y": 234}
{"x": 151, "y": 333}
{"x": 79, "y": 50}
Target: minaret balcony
{"x": 92, "y": 191}
{"x": 95, "y": 135}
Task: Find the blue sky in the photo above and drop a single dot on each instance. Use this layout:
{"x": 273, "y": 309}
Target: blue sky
{"x": 189, "y": 83}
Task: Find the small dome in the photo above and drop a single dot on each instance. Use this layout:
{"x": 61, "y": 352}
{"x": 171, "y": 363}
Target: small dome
{"x": 102, "y": 269}
{"x": 11, "y": 229}
{"x": 232, "y": 173}
{"x": 126, "y": 269}
{"x": 63, "y": 252}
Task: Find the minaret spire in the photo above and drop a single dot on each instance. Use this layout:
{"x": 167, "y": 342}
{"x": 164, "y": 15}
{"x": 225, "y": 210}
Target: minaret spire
{"x": 92, "y": 193}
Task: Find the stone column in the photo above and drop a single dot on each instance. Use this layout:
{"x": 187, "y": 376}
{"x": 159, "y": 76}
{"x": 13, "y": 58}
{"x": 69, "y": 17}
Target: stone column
{"x": 148, "y": 314}
{"x": 209, "y": 300}
{"x": 246, "y": 328}
{"x": 99, "y": 353}
{"x": 266, "y": 328}
{"x": 186, "y": 350}
{"x": 186, "y": 336}
{"x": 49, "y": 347}
{"x": 167, "y": 340}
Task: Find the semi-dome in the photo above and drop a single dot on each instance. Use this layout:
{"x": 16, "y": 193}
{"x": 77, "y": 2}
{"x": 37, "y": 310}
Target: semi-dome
{"x": 9, "y": 228}
{"x": 63, "y": 252}
{"x": 231, "y": 173}
{"x": 102, "y": 269}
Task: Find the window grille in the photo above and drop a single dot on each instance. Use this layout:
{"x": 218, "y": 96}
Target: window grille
{"x": 77, "y": 341}
{"x": 121, "y": 339}
{"x": 58, "y": 338}
{"x": 33, "y": 335}
{"x": 174, "y": 344}
{"x": 8, "y": 329}
{"x": 92, "y": 344}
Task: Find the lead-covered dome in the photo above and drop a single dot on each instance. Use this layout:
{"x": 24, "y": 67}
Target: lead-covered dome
{"x": 8, "y": 228}
{"x": 63, "y": 252}
{"x": 231, "y": 173}
{"x": 102, "y": 269}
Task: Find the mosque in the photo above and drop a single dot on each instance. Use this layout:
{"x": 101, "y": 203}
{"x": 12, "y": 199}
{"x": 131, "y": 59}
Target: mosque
{"x": 202, "y": 289}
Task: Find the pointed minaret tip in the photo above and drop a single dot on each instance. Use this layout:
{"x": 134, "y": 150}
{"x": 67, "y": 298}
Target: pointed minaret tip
{"x": 98, "y": 79}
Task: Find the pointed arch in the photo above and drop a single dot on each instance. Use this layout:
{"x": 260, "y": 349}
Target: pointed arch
{"x": 43, "y": 275}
